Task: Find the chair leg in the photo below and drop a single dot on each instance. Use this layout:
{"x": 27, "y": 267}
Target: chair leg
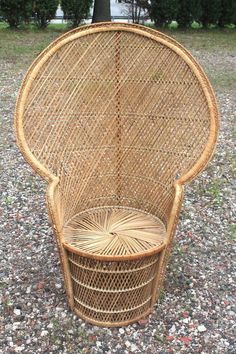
{"x": 64, "y": 265}
{"x": 157, "y": 283}
{"x": 165, "y": 255}
{"x": 53, "y": 217}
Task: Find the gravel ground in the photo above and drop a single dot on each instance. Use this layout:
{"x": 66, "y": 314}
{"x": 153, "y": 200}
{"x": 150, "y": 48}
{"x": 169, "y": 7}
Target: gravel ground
{"x": 196, "y": 310}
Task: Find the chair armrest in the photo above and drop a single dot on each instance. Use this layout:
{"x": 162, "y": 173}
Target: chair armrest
{"x": 174, "y": 211}
{"x": 54, "y": 204}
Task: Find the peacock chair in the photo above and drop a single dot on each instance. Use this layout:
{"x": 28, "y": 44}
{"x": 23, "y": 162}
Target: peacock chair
{"x": 116, "y": 118}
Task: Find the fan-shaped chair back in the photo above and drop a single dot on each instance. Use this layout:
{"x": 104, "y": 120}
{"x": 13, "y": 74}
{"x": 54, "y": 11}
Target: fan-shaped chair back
{"x": 122, "y": 110}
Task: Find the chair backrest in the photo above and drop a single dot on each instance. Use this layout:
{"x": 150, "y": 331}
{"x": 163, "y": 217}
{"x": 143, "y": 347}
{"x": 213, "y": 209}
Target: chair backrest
{"x": 119, "y": 108}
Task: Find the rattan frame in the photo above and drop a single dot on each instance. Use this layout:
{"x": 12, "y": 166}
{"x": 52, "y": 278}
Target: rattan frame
{"x": 53, "y": 194}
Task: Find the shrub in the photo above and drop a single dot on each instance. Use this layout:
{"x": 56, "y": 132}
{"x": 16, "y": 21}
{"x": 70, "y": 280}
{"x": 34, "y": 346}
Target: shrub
{"x": 44, "y": 11}
{"x": 184, "y": 17}
{"x": 228, "y": 12}
{"x": 163, "y": 12}
{"x": 211, "y": 11}
{"x": 188, "y": 12}
{"x": 76, "y": 10}
{"x": 15, "y": 12}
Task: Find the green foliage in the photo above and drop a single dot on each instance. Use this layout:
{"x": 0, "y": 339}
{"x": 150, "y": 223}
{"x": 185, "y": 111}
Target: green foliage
{"x": 234, "y": 12}
{"x": 184, "y": 17}
{"x": 228, "y": 12}
{"x": 44, "y": 11}
{"x": 205, "y": 12}
{"x": 163, "y": 12}
{"x": 76, "y": 10}
{"x": 196, "y": 10}
{"x": 15, "y": 11}
{"x": 211, "y": 11}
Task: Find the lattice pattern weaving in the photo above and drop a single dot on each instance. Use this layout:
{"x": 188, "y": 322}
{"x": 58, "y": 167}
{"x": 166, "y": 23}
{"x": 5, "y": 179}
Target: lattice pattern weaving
{"x": 116, "y": 117}
{"x": 111, "y": 292}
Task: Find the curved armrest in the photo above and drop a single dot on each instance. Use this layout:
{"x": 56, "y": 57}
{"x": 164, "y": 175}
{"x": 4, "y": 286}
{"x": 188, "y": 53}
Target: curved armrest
{"x": 175, "y": 211}
{"x": 54, "y": 204}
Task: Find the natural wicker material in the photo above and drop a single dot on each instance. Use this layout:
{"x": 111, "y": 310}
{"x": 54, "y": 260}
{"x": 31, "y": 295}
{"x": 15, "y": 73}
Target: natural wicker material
{"x": 117, "y": 118}
{"x": 114, "y": 231}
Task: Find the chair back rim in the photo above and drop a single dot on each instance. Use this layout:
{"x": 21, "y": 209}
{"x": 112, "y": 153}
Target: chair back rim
{"x": 159, "y": 37}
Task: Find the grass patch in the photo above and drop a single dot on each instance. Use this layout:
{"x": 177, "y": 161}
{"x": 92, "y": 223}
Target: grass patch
{"x": 223, "y": 79}
{"x": 3, "y": 25}
{"x": 215, "y": 190}
{"x": 58, "y": 27}
{"x": 233, "y": 165}
{"x": 232, "y": 232}
{"x": 234, "y": 127}
{"x": 20, "y": 47}
{"x": 212, "y": 40}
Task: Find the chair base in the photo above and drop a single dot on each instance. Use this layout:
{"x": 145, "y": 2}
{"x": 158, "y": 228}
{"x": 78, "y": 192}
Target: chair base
{"x": 115, "y": 283}
{"x": 113, "y": 293}
{"x": 111, "y": 324}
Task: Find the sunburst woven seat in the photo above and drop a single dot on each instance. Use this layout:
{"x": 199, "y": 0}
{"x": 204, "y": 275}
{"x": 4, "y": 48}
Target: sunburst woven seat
{"x": 116, "y": 118}
{"x": 114, "y": 231}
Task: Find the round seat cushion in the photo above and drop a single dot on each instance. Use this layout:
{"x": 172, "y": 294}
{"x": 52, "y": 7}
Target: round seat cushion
{"x": 114, "y": 231}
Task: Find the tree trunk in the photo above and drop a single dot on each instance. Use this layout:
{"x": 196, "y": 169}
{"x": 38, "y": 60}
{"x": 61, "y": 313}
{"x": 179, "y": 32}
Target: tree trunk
{"x": 101, "y": 11}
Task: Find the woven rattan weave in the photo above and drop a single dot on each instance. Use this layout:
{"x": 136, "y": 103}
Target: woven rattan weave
{"x": 117, "y": 118}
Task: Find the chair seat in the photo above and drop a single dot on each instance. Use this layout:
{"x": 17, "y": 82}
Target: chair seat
{"x": 115, "y": 231}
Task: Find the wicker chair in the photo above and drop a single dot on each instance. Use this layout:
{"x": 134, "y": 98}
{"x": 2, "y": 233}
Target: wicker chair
{"x": 116, "y": 118}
